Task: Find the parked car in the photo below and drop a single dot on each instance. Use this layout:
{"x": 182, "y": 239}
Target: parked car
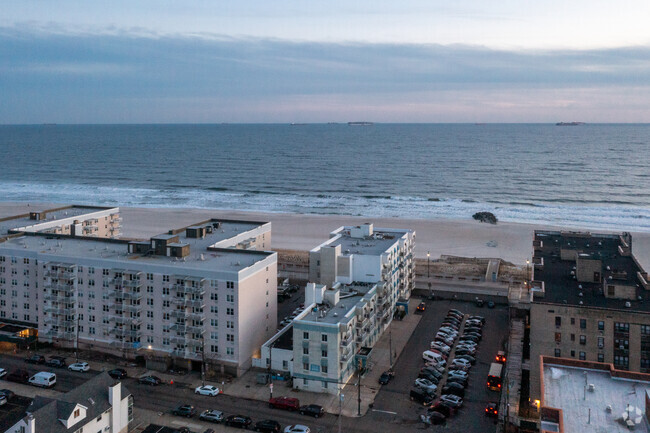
{"x": 207, "y": 390}
{"x": 117, "y": 373}
{"x": 479, "y": 318}
{"x": 492, "y": 410}
{"x": 313, "y": 410}
{"x": 456, "y": 379}
{"x": 268, "y": 426}
{"x": 457, "y": 373}
{"x": 426, "y": 384}
{"x": 454, "y": 389}
{"x": 239, "y": 421}
{"x": 453, "y": 400}
{"x": 441, "y": 347}
{"x": 386, "y": 377}
{"x": 186, "y": 410}
{"x": 43, "y": 379}
{"x": 444, "y": 339}
{"x": 20, "y": 376}
{"x": 421, "y": 396}
{"x": 79, "y": 366}
{"x": 428, "y": 376}
{"x": 150, "y": 380}
{"x": 35, "y": 359}
{"x": 55, "y": 363}
{"x": 9, "y": 394}
{"x": 491, "y": 304}
{"x": 286, "y": 403}
{"x": 469, "y": 358}
{"x": 298, "y": 428}
{"x": 437, "y": 418}
{"x": 465, "y": 350}
{"x": 441, "y": 353}
{"x": 444, "y": 409}
{"x": 433, "y": 371}
{"x": 460, "y": 362}
{"x": 211, "y": 415}
{"x": 3, "y": 400}
{"x": 3, "y": 373}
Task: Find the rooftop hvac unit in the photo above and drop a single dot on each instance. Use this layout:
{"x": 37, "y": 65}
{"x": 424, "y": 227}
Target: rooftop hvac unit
{"x": 591, "y": 387}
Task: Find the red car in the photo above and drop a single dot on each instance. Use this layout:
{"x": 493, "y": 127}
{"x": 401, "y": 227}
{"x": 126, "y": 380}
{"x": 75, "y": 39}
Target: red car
{"x": 286, "y": 403}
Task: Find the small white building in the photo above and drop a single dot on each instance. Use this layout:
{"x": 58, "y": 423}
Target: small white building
{"x": 102, "y": 404}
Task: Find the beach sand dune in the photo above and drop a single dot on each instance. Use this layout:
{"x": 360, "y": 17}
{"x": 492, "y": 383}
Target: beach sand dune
{"x": 468, "y": 238}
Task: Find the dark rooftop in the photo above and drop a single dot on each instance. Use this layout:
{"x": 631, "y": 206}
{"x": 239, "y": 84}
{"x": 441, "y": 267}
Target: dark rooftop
{"x": 561, "y": 287}
{"x": 13, "y": 411}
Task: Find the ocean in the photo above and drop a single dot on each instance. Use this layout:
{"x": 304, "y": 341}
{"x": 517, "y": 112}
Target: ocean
{"x": 593, "y": 176}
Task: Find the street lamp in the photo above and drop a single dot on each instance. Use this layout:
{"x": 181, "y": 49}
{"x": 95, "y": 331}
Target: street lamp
{"x": 527, "y": 273}
{"x": 428, "y": 262}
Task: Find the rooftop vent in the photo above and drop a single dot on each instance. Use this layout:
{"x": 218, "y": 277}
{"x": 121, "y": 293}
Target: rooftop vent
{"x": 628, "y": 304}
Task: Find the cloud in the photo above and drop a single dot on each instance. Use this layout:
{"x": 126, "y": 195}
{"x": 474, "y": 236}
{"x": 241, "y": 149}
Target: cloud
{"x": 124, "y": 76}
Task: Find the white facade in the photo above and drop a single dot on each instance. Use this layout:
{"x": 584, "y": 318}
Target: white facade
{"x": 196, "y": 302}
{"x": 365, "y": 254}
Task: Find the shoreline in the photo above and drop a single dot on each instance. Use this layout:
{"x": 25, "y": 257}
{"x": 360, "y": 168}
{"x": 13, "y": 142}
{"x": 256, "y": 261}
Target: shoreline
{"x": 509, "y": 241}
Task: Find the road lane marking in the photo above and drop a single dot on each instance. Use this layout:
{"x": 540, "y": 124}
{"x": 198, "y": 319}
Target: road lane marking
{"x": 385, "y": 411}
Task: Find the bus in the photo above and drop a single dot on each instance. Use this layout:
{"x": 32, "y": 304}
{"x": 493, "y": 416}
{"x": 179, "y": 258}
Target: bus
{"x": 494, "y": 377}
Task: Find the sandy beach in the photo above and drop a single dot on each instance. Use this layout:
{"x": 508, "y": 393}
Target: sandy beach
{"x": 468, "y": 238}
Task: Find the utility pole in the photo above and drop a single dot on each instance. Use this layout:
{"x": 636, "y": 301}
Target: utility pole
{"x": 341, "y": 397}
{"x": 203, "y": 358}
{"x": 271, "y": 370}
{"x": 390, "y": 346}
{"x": 76, "y": 342}
{"x": 428, "y": 262}
{"x": 359, "y": 388}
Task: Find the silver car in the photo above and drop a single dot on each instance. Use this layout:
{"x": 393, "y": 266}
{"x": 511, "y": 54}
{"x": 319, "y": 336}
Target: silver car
{"x": 211, "y": 415}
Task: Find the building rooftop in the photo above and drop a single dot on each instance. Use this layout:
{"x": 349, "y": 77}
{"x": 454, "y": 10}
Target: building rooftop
{"x": 200, "y": 258}
{"x": 18, "y": 221}
{"x": 585, "y": 410}
{"x": 351, "y": 296}
{"x": 379, "y": 241}
{"x": 560, "y": 286}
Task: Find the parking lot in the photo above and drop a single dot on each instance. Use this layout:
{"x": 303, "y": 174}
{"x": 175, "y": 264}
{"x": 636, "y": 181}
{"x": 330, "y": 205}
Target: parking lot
{"x": 393, "y": 400}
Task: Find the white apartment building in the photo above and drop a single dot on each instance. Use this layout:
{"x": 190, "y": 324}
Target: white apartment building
{"x": 99, "y": 405}
{"x": 366, "y": 254}
{"x": 203, "y": 293}
{"x": 360, "y": 277}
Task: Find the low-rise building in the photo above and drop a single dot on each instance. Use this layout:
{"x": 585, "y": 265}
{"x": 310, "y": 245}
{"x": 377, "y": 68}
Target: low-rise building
{"x": 591, "y": 397}
{"x": 101, "y": 404}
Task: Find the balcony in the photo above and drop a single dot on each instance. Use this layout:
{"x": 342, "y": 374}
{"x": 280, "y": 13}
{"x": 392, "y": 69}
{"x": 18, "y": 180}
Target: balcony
{"x": 193, "y": 329}
{"x": 177, "y": 314}
{"x": 132, "y": 283}
{"x": 133, "y": 296}
{"x": 177, "y": 340}
{"x": 125, "y": 332}
{"x": 117, "y": 280}
{"x": 195, "y": 316}
{"x": 179, "y": 328}
{"x": 132, "y": 308}
{"x": 346, "y": 355}
{"x": 346, "y": 340}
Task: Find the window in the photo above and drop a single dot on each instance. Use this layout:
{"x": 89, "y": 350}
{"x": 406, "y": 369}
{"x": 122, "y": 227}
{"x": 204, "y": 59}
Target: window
{"x": 601, "y": 357}
{"x": 230, "y": 311}
{"x": 165, "y": 341}
{"x": 305, "y": 335}
{"x": 323, "y": 368}
{"x": 601, "y": 325}
{"x": 621, "y": 327}
{"x": 621, "y": 361}
{"x": 601, "y": 342}
{"x": 558, "y": 337}
{"x": 305, "y": 350}
{"x": 582, "y": 356}
{"x": 230, "y": 324}
{"x": 149, "y": 301}
{"x": 583, "y": 323}
{"x": 150, "y": 277}
{"x": 324, "y": 338}
{"x": 230, "y": 337}
{"x": 583, "y": 339}
{"x": 230, "y": 285}
{"x": 645, "y": 329}
{"x": 558, "y": 353}
{"x": 166, "y": 304}
{"x": 611, "y": 291}
{"x": 150, "y": 314}
{"x": 573, "y": 337}
{"x": 305, "y": 366}
{"x": 214, "y": 348}
{"x": 77, "y": 412}
{"x": 573, "y": 320}
{"x": 91, "y": 270}
{"x": 324, "y": 384}
{"x": 573, "y": 354}
{"x": 230, "y": 351}
{"x": 230, "y": 298}
{"x": 165, "y": 291}
{"x": 323, "y": 353}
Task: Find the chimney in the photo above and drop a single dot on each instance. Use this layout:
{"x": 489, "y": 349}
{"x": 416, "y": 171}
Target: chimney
{"x": 115, "y": 400}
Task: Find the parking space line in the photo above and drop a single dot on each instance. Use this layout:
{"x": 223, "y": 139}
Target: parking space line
{"x": 385, "y": 411}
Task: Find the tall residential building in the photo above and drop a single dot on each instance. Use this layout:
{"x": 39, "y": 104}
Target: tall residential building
{"x": 99, "y": 405}
{"x": 368, "y": 255}
{"x": 206, "y": 292}
{"x": 360, "y": 277}
{"x": 588, "y": 300}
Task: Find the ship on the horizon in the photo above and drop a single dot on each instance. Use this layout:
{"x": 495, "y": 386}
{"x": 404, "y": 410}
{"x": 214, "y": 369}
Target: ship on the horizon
{"x": 360, "y": 123}
{"x": 569, "y": 123}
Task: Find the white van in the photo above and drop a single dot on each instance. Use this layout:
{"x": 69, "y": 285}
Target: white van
{"x": 437, "y": 358}
{"x": 43, "y": 379}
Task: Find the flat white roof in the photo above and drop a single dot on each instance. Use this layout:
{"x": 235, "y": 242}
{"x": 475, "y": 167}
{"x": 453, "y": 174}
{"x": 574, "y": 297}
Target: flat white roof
{"x": 564, "y": 388}
{"x": 381, "y": 241}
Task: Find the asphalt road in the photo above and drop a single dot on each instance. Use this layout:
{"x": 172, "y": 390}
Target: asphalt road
{"x": 392, "y": 409}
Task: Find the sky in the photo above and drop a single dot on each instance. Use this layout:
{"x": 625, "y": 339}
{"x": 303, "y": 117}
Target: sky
{"x": 315, "y": 61}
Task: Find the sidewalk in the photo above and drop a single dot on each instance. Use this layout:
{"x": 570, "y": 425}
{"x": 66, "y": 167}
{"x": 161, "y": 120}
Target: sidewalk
{"x": 247, "y": 387}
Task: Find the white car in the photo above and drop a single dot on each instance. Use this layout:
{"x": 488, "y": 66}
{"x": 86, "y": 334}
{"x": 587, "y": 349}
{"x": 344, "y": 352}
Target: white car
{"x": 457, "y": 374}
{"x": 298, "y": 428}
{"x": 461, "y": 362}
{"x": 207, "y": 390}
{"x": 79, "y": 366}
{"x": 426, "y": 384}
{"x": 3, "y": 372}
{"x": 453, "y": 399}
{"x": 440, "y": 346}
